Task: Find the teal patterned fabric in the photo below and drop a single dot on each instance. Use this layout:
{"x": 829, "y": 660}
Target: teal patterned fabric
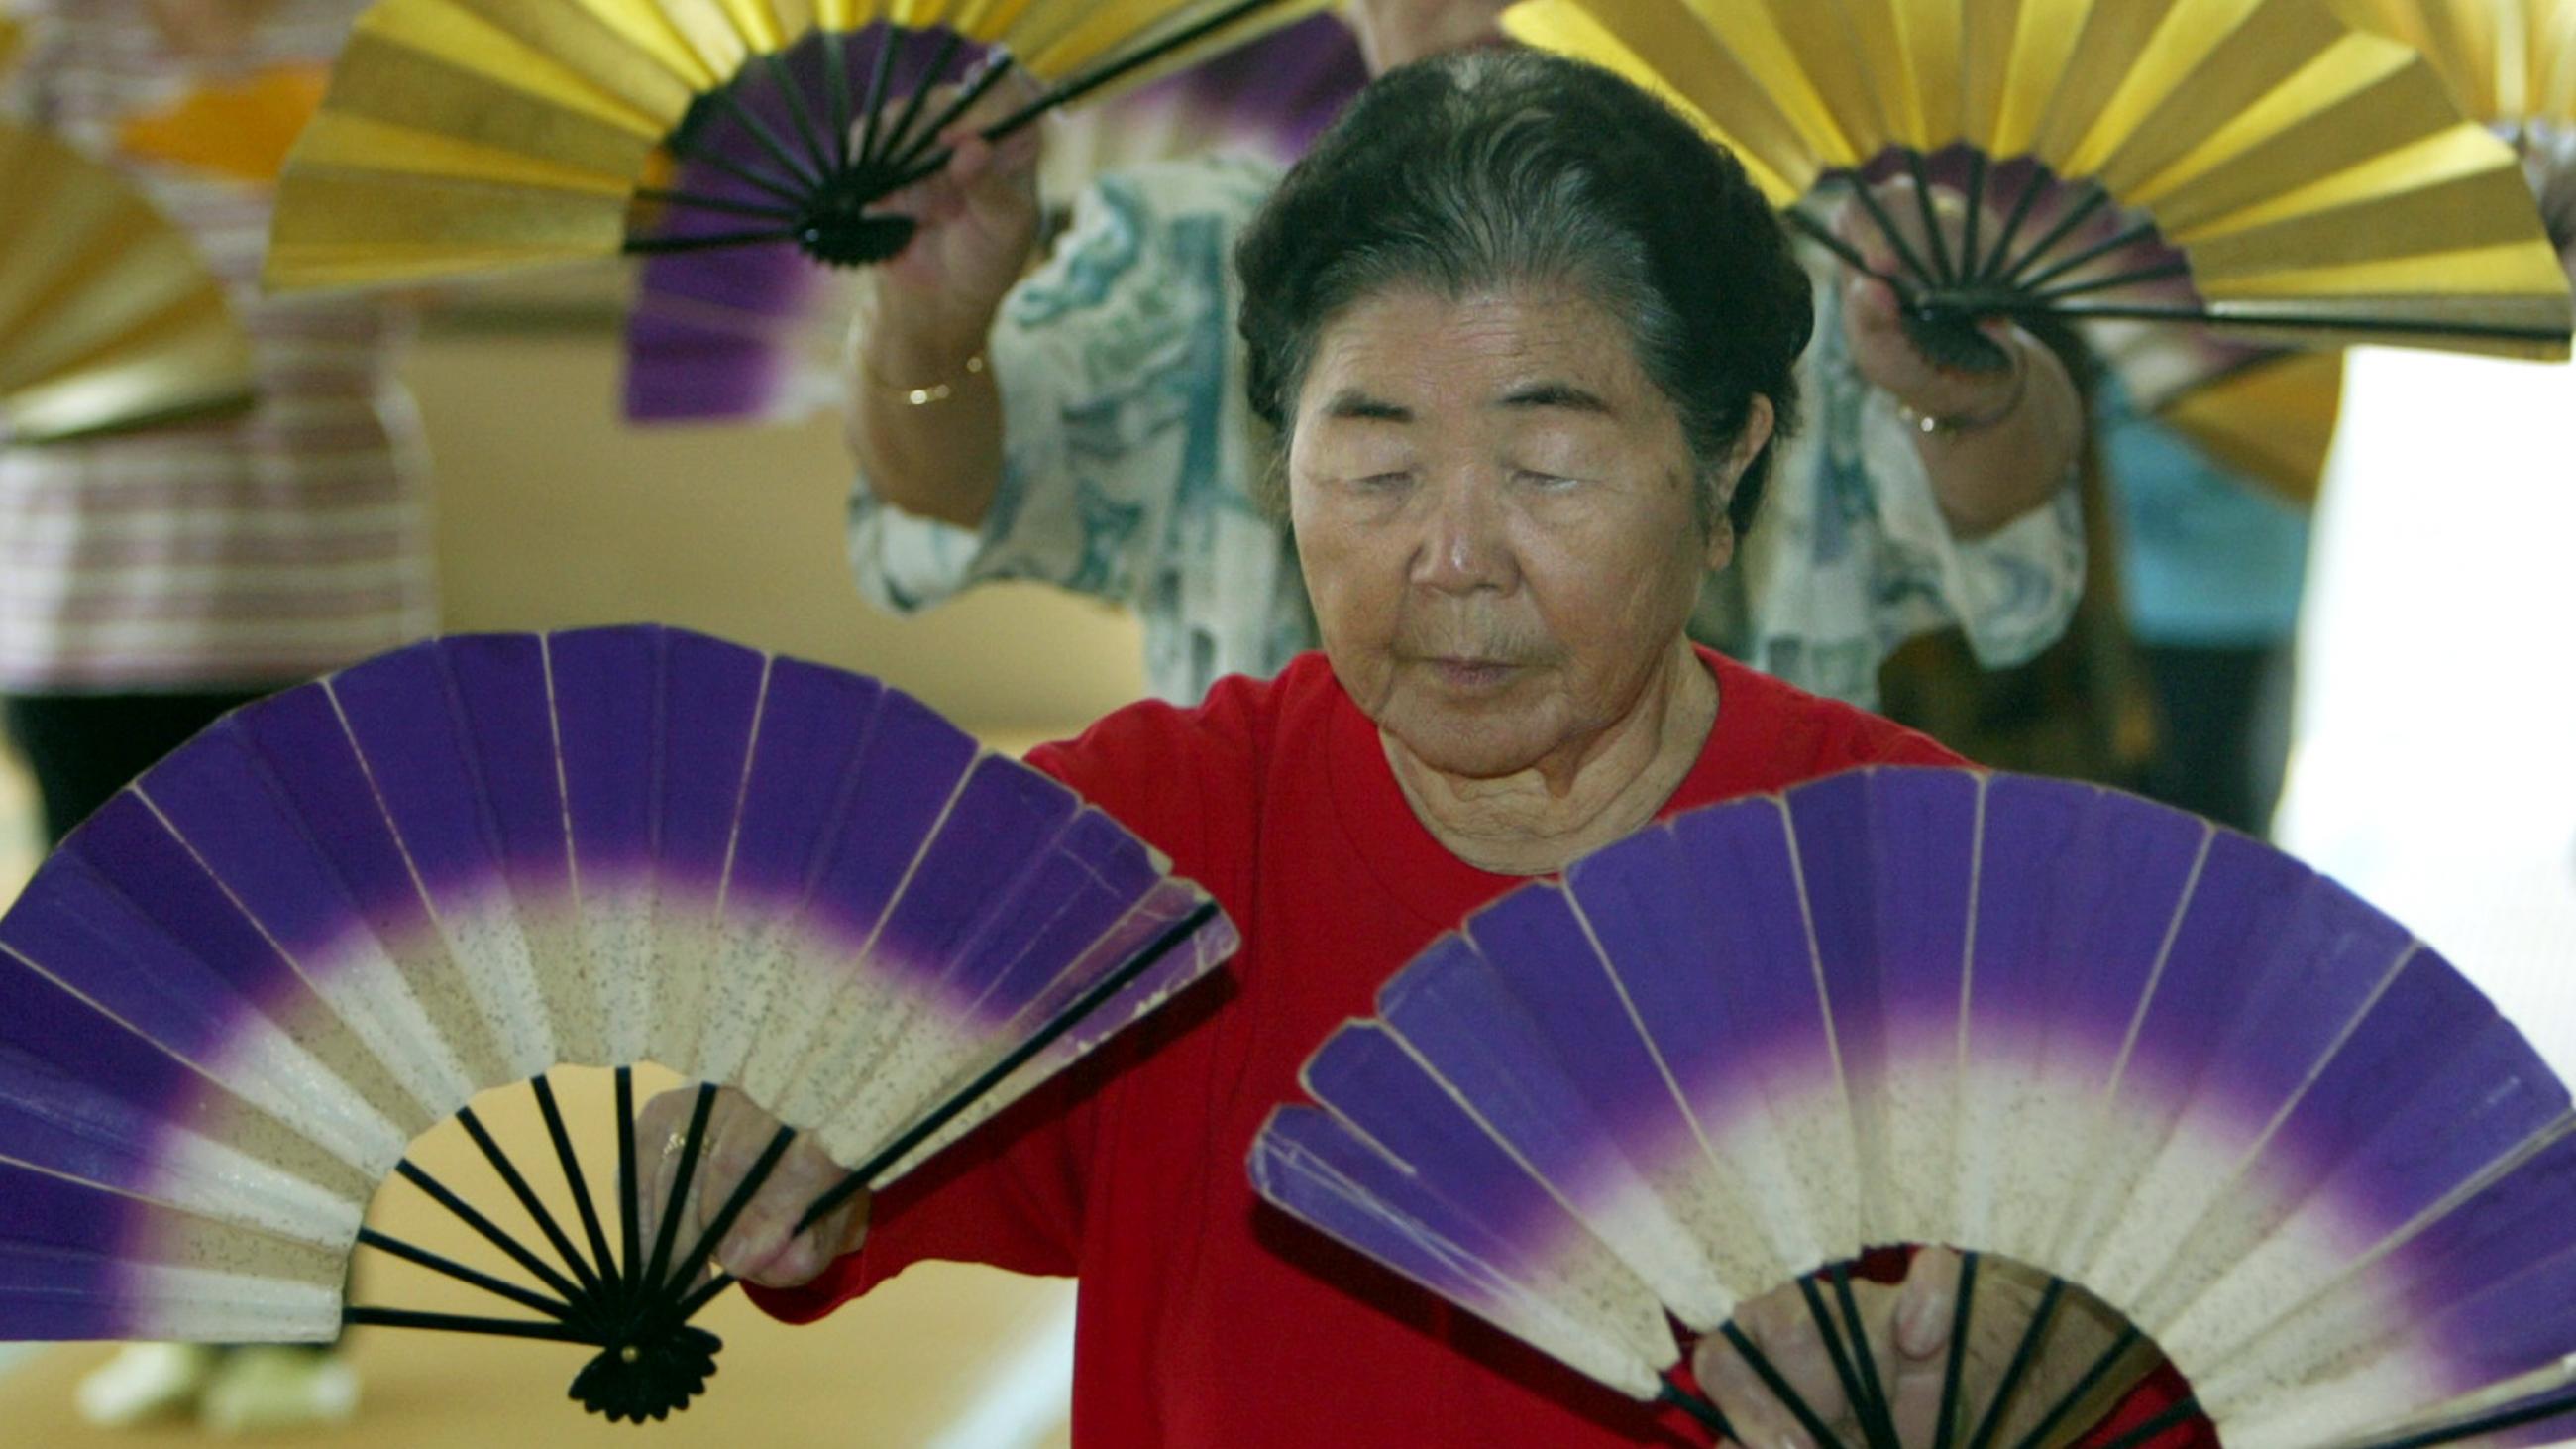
{"x": 1130, "y": 453}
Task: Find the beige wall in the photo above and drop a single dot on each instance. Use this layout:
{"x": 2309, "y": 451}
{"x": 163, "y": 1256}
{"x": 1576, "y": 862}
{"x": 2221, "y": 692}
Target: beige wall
{"x": 553, "y": 513}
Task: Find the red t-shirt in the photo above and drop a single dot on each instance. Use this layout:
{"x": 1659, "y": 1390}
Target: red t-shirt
{"x": 1207, "y": 1318}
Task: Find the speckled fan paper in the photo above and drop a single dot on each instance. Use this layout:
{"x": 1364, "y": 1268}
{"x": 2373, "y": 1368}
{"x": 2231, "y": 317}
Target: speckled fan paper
{"x": 233, "y": 997}
{"x": 755, "y": 332}
{"x": 462, "y": 137}
{"x": 2318, "y": 184}
{"x": 108, "y": 316}
{"x": 2027, "y": 1017}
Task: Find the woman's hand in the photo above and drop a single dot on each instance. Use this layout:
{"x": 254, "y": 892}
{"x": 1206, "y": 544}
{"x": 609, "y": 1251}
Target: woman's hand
{"x": 2012, "y": 436}
{"x": 1873, "y": 321}
{"x": 1909, "y": 1330}
{"x": 930, "y": 307}
{"x": 762, "y": 1246}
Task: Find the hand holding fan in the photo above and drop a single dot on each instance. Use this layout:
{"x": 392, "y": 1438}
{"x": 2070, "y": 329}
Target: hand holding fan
{"x": 2029, "y": 1019}
{"x": 234, "y": 996}
{"x": 2251, "y": 165}
{"x": 759, "y": 332}
{"x": 108, "y": 316}
{"x": 466, "y": 136}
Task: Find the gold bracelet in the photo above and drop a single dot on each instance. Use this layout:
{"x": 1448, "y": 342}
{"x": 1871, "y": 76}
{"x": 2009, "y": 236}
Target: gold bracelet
{"x": 1944, "y": 427}
{"x": 922, "y": 397}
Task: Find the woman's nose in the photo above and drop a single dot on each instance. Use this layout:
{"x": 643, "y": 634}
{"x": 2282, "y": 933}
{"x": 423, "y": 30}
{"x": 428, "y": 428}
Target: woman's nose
{"x": 1462, "y": 547}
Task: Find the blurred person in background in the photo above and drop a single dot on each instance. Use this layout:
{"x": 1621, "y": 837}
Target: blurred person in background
{"x": 1084, "y": 426}
{"x": 151, "y": 581}
{"x": 2212, "y": 566}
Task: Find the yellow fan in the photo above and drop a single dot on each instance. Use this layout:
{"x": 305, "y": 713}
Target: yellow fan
{"x": 2255, "y": 165}
{"x": 2512, "y": 64}
{"x": 464, "y": 136}
{"x": 108, "y": 316}
{"x": 2273, "y": 421}
{"x": 13, "y": 36}
{"x": 2508, "y": 61}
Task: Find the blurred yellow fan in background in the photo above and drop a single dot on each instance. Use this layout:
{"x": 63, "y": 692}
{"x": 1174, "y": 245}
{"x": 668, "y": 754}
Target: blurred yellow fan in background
{"x": 2508, "y": 61}
{"x": 2256, "y": 165}
{"x": 108, "y": 317}
{"x": 2512, "y": 63}
{"x": 464, "y": 136}
{"x": 241, "y": 130}
{"x": 2273, "y": 421}
{"x": 13, "y": 35}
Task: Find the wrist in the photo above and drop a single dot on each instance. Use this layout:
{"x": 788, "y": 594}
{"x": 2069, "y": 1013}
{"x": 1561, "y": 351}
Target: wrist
{"x": 906, "y": 342}
{"x": 1992, "y": 405}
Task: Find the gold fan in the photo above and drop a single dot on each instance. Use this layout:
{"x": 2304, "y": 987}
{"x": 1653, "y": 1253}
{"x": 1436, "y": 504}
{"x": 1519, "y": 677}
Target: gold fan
{"x": 2508, "y": 61}
{"x": 2255, "y": 165}
{"x": 108, "y": 316}
{"x": 2273, "y": 421}
{"x": 464, "y": 136}
{"x": 2512, "y": 64}
{"x": 13, "y": 36}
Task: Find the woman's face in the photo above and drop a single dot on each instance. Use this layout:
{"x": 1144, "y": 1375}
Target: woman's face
{"x": 1494, "y": 506}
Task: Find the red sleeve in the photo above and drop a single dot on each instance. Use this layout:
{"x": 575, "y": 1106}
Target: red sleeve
{"x": 1012, "y": 1192}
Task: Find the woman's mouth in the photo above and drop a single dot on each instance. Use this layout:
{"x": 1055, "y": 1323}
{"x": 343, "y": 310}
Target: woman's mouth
{"x": 1473, "y": 675}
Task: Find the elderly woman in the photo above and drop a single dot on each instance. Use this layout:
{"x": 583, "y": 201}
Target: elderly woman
{"x": 1527, "y": 342}
{"x": 1084, "y": 426}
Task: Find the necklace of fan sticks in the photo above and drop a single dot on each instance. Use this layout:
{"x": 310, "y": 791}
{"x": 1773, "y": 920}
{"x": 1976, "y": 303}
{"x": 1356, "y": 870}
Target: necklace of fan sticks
{"x": 827, "y": 182}
{"x": 632, "y": 1304}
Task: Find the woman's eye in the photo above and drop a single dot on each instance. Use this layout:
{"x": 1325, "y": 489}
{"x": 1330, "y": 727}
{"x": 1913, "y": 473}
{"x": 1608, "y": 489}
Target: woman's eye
{"x": 1382, "y": 482}
{"x": 1548, "y": 482}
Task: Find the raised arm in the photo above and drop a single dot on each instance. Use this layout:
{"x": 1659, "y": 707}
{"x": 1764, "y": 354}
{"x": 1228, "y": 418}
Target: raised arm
{"x": 925, "y": 420}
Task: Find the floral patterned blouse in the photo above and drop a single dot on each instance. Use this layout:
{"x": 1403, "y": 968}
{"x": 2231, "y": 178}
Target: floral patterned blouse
{"x": 1130, "y": 451}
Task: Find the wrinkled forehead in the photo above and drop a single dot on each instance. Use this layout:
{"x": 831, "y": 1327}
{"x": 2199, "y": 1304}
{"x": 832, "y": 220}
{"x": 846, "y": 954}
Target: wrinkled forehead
{"x": 1407, "y": 352}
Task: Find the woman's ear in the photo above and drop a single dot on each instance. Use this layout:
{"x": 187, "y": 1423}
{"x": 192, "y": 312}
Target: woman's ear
{"x": 1721, "y": 540}
{"x": 1758, "y": 422}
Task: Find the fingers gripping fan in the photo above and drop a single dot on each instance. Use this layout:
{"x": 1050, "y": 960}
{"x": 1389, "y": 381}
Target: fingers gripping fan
{"x": 2027, "y": 1018}
{"x": 465, "y": 136}
{"x": 2254, "y": 165}
{"x": 108, "y": 316}
{"x": 234, "y": 996}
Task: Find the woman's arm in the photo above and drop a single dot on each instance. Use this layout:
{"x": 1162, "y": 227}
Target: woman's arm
{"x": 925, "y": 419}
{"x": 1996, "y": 445}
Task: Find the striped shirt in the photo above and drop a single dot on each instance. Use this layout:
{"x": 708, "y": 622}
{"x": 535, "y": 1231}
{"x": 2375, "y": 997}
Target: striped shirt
{"x": 247, "y": 551}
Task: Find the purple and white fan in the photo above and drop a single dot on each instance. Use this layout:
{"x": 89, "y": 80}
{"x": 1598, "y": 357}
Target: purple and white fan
{"x": 2042, "y": 1021}
{"x": 236, "y": 995}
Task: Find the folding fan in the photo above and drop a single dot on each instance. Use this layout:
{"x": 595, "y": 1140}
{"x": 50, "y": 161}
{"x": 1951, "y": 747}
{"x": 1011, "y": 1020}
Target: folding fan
{"x": 2031, "y": 1019}
{"x": 2251, "y": 165}
{"x": 757, "y": 331}
{"x": 465, "y": 136}
{"x": 2512, "y": 64}
{"x": 108, "y": 316}
{"x": 234, "y": 996}
{"x": 2272, "y": 421}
